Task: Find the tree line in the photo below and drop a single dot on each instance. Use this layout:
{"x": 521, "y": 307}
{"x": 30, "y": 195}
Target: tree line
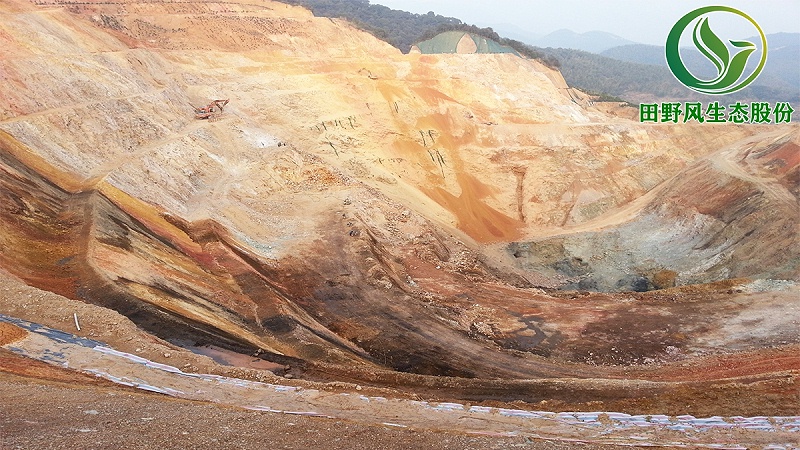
{"x": 403, "y": 29}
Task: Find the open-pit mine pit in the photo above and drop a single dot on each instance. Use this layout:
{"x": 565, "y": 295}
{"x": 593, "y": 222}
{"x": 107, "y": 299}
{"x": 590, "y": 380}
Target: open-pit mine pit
{"x": 463, "y": 229}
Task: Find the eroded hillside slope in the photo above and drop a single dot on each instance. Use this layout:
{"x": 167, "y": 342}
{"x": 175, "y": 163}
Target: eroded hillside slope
{"x": 355, "y": 208}
{"x": 731, "y": 214}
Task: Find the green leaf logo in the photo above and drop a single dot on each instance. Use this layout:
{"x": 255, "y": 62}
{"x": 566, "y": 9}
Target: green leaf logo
{"x": 730, "y": 68}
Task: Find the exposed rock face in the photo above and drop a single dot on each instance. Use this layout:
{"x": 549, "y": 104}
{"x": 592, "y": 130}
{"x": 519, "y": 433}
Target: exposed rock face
{"x": 729, "y": 215}
{"x": 359, "y": 207}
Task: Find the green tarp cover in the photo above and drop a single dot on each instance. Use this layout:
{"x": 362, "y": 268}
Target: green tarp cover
{"x": 447, "y": 42}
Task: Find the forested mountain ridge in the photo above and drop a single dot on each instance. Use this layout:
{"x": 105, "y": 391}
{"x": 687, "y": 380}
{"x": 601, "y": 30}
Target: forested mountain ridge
{"x": 780, "y": 77}
{"x": 615, "y": 73}
{"x": 639, "y": 82}
{"x": 403, "y": 29}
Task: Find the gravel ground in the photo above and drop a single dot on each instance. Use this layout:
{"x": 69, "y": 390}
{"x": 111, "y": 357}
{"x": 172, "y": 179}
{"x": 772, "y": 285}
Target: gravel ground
{"x": 37, "y": 414}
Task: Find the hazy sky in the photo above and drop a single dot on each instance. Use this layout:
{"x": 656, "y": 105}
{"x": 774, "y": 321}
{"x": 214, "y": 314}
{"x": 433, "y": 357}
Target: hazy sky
{"x": 642, "y": 21}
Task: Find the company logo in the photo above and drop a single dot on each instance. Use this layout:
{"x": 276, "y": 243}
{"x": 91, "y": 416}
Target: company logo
{"x": 730, "y": 62}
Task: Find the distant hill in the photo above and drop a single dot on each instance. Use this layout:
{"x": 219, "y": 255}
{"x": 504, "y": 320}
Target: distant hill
{"x": 591, "y": 41}
{"x": 783, "y": 64}
{"x": 778, "y": 40}
{"x": 636, "y": 82}
{"x": 512, "y": 31}
{"x": 631, "y": 81}
{"x": 778, "y": 43}
{"x": 637, "y": 53}
{"x": 781, "y": 75}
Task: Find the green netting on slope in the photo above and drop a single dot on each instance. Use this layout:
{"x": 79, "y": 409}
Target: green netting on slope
{"x": 447, "y": 42}
{"x": 489, "y": 46}
{"x": 441, "y": 43}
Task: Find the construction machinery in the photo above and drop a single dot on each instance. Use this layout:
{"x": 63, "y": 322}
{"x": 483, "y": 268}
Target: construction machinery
{"x": 210, "y": 112}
